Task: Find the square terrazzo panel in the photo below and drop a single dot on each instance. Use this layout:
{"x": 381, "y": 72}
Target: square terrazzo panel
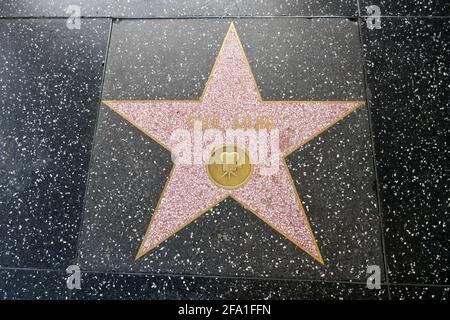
{"x": 51, "y": 79}
{"x": 408, "y": 83}
{"x": 178, "y": 8}
{"x": 294, "y": 61}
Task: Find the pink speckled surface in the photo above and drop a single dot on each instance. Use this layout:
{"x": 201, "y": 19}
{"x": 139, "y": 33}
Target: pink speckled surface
{"x": 231, "y": 91}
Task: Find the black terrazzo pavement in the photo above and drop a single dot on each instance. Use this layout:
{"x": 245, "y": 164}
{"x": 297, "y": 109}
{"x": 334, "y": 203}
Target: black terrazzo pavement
{"x": 50, "y": 91}
{"x": 408, "y": 80}
{"x": 179, "y": 8}
{"x": 374, "y": 185}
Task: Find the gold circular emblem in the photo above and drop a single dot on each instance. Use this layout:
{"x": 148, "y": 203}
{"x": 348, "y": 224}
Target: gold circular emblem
{"x": 229, "y": 167}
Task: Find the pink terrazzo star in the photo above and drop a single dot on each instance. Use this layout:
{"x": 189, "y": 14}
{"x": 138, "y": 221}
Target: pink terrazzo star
{"x": 231, "y": 90}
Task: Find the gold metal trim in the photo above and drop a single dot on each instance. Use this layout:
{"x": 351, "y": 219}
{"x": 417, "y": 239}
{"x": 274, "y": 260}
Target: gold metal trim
{"x": 235, "y": 186}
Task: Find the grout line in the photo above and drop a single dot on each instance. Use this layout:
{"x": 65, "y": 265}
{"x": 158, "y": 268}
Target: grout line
{"x": 434, "y": 285}
{"x": 184, "y": 17}
{"x": 223, "y": 17}
{"x": 374, "y": 160}
{"x": 94, "y": 138}
{"x": 222, "y": 277}
{"x": 149, "y": 274}
{"x": 238, "y": 278}
{"x": 30, "y": 269}
{"x": 226, "y": 277}
{"x": 408, "y": 17}
{"x": 358, "y": 9}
